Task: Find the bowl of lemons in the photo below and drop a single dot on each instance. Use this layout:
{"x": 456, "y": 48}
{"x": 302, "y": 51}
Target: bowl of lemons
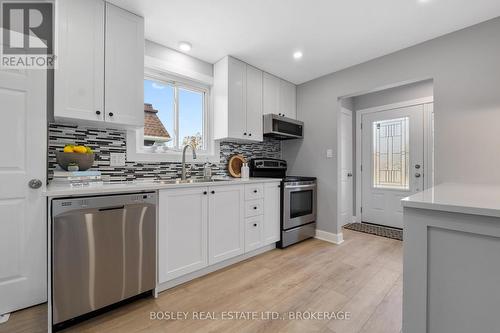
{"x": 75, "y": 158}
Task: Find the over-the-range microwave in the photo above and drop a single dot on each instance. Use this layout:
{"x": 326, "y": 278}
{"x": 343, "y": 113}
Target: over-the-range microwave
{"x": 282, "y": 128}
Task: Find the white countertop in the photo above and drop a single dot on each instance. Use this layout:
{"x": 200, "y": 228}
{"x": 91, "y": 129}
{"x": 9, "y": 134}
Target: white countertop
{"x": 57, "y": 190}
{"x": 458, "y": 198}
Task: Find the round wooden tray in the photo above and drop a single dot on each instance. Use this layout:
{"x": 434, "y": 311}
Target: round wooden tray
{"x": 235, "y": 164}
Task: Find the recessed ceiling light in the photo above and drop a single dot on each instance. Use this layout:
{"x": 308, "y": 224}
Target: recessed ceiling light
{"x": 185, "y": 46}
{"x": 297, "y": 55}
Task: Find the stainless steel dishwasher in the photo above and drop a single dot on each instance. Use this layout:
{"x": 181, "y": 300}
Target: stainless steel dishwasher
{"x": 103, "y": 252}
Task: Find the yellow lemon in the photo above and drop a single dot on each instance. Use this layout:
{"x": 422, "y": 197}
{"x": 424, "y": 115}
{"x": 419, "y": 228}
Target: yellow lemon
{"x": 68, "y": 149}
{"x": 80, "y": 149}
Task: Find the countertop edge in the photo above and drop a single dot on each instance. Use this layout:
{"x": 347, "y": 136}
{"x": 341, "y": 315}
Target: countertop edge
{"x": 63, "y": 191}
{"x": 443, "y": 207}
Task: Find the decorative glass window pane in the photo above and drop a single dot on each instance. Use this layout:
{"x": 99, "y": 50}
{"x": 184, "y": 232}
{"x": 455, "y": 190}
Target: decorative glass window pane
{"x": 191, "y": 118}
{"x": 390, "y": 154}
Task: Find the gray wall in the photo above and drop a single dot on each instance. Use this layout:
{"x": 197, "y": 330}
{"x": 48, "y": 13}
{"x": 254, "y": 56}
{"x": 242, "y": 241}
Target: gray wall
{"x": 465, "y": 67}
{"x": 394, "y": 95}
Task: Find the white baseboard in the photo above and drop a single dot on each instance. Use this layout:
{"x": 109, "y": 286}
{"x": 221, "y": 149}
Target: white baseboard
{"x": 329, "y": 237}
{"x": 212, "y": 268}
{"x": 4, "y": 318}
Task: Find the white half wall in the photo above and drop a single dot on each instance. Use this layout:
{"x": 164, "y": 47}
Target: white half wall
{"x": 465, "y": 68}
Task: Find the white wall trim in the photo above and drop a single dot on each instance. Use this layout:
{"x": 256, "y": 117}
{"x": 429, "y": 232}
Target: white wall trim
{"x": 4, "y": 318}
{"x": 212, "y": 268}
{"x": 329, "y": 237}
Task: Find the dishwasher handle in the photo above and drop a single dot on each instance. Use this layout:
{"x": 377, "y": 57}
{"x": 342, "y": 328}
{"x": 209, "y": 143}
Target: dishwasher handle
{"x": 111, "y": 208}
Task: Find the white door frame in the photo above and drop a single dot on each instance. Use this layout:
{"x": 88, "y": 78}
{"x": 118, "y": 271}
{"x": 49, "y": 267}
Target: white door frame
{"x": 428, "y": 143}
{"x": 339, "y": 160}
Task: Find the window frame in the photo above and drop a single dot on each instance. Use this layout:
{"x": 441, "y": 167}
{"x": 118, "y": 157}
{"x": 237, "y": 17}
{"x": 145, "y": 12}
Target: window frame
{"x": 138, "y": 152}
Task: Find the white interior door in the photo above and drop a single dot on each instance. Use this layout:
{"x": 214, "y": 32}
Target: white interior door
{"x": 346, "y": 183}
{"x": 392, "y": 162}
{"x": 23, "y": 227}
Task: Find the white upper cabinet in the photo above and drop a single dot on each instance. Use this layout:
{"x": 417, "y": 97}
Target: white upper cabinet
{"x": 237, "y": 95}
{"x": 100, "y": 64}
{"x": 271, "y": 93}
{"x": 288, "y": 100}
{"x": 124, "y": 67}
{"x": 279, "y": 97}
{"x": 79, "y": 78}
{"x": 254, "y": 103}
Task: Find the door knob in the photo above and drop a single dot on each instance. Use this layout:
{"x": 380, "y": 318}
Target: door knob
{"x": 35, "y": 183}
{"x": 417, "y": 175}
{"x": 417, "y": 166}
{"x": 349, "y": 174}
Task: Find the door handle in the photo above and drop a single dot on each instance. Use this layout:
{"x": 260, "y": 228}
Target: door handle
{"x": 417, "y": 175}
{"x": 35, "y": 183}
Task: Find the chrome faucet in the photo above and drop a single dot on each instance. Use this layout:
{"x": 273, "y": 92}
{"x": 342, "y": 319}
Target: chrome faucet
{"x": 183, "y": 175}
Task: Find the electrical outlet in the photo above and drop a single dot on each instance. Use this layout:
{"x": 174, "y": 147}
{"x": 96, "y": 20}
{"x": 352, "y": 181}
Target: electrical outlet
{"x": 116, "y": 159}
{"x": 329, "y": 153}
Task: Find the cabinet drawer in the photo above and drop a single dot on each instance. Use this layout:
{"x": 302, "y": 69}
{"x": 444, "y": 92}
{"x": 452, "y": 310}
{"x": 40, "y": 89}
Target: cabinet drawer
{"x": 253, "y": 233}
{"x": 254, "y": 191}
{"x": 254, "y": 207}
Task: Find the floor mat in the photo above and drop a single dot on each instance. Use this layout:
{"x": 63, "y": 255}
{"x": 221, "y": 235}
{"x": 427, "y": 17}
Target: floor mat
{"x": 376, "y": 230}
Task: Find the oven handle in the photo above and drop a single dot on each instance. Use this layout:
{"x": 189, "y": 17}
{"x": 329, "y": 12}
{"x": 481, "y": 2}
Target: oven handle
{"x": 300, "y": 186}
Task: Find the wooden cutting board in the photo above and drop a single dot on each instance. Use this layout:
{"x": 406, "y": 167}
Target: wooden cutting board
{"x": 235, "y": 164}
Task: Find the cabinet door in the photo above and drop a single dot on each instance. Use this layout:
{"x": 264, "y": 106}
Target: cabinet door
{"x": 79, "y": 78}
{"x": 254, "y": 103}
{"x": 271, "y": 94}
{"x": 253, "y": 233}
{"x": 124, "y": 77}
{"x": 287, "y": 103}
{"x": 272, "y": 206}
{"x": 237, "y": 99}
{"x": 183, "y": 234}
{"x": 225, "y": 222}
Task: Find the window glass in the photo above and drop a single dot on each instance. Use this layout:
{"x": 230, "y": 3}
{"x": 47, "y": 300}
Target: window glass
{"x": 391, "y": 153}
{"x": 159, "y": 121}
{"x": 173, "y": 116}
{"x": 191, "y": 118}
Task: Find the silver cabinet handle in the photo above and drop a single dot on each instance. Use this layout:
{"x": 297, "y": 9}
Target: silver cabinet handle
{"x": 417, "y": 175}
{"x": 35, "y": 183}
{"x": 349, "y": 174}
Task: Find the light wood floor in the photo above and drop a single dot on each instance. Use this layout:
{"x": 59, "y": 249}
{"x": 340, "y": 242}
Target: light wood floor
{"x": 362, "y": 276}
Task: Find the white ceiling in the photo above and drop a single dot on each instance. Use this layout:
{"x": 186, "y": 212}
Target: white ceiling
{"x": 332, "y": 34}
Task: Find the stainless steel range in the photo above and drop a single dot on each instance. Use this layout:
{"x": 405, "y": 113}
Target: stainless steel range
{"x": 298, "y": 200}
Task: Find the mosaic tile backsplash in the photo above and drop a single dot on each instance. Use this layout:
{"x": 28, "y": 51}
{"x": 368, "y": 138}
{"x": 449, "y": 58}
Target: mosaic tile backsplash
{"x": 106, "y": 141}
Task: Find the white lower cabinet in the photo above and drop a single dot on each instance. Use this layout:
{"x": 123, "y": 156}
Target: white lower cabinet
{"x": 253, "y": 233}
{"x": 272, "y": 207}
{"x": 226, "y": 232}
{"x": 202, "y": 226}
{"x": 183, "y": 232}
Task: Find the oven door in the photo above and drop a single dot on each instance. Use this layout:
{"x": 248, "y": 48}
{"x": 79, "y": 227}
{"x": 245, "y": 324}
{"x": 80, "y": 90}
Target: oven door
{"x": 299, "y": 205}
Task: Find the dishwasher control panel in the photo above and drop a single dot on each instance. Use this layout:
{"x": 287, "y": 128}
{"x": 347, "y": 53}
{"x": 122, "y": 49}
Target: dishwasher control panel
{"x": 102, "y": 201}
